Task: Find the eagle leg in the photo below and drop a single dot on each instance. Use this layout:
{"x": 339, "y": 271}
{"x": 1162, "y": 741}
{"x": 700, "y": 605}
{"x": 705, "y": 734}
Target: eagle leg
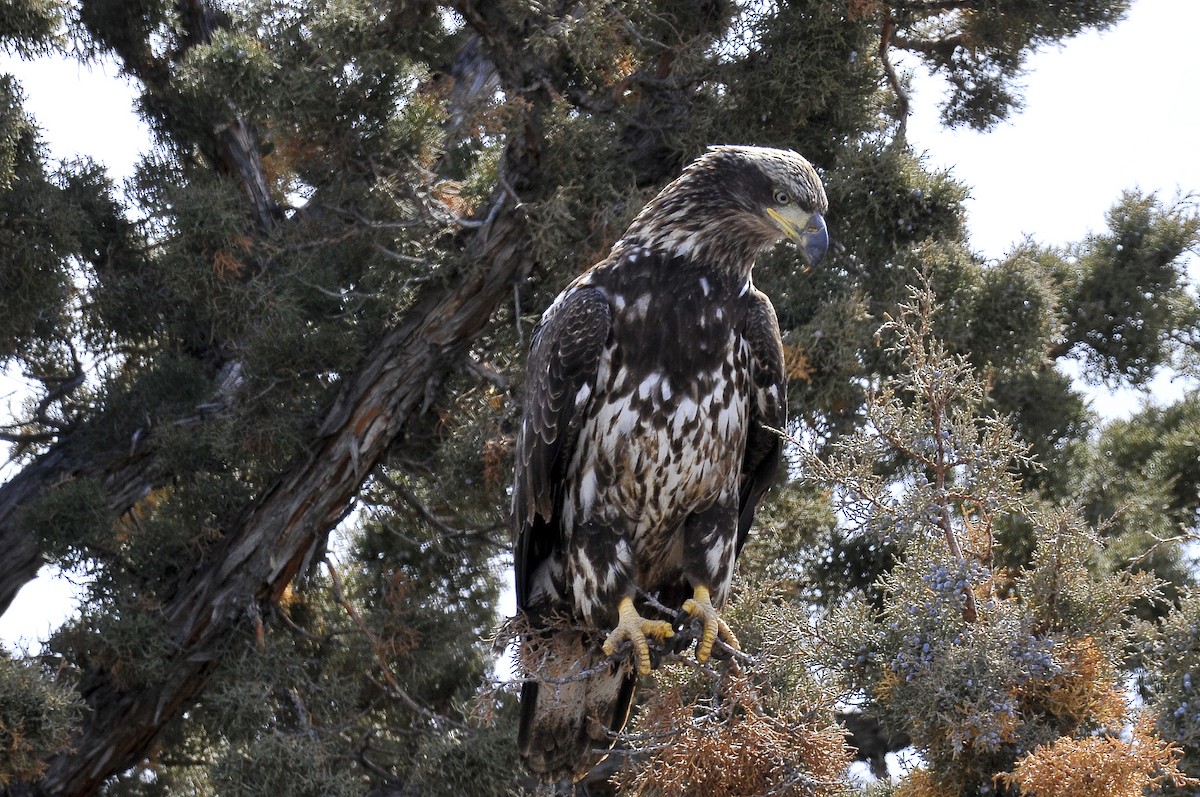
{"x": 633, "y": 627}
{"x": 700, "y": 606}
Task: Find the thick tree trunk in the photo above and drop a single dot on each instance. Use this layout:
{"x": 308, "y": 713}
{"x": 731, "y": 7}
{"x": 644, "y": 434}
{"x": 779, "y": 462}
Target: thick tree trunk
{"x": 290, "y": 522}
{"x": 292, "y": 519}
{"x": 233, "y": 151}
{"x": 127, "y": 474}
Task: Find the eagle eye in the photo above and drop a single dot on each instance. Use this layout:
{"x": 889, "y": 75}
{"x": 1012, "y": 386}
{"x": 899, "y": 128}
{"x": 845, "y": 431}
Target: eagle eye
{"x": 782, "y": 197}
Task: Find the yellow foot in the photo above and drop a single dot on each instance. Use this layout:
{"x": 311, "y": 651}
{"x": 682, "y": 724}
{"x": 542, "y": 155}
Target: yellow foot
{"x": 635, "y": 628}
{"x": 700, "y": 605}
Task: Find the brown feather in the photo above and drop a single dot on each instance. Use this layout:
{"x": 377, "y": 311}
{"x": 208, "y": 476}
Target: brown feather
{"x": 566, "y": 728}
{"x": 642, "y": 454}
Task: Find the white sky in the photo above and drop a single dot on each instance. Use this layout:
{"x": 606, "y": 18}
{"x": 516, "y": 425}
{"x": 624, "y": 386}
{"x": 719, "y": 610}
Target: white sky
{"x": 1106, "y": 113}
{"x": 1103, "y": 114}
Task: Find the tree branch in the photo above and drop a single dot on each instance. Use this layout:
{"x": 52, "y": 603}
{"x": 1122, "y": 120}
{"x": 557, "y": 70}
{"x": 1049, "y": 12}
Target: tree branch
{"x": 941, "y": 48}
{"x": 392, "y": 686}
{"x": 902, "y": 103}
{"x": 288, "y": 525}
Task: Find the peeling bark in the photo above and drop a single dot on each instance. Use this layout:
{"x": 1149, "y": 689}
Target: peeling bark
{"x": 274, "y": 539}
{"x": 276, "y": 536}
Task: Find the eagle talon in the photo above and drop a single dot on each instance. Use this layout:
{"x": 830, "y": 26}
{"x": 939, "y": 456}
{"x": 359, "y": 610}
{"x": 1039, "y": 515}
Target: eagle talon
{"x": 723, "y": 653}
{"x": 635, "y": 629}
{"x": 700, "y": 606}
{"x": 685, "y": 633}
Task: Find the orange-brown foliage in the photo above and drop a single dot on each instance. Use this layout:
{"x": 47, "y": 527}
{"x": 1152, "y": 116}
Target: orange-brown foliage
{"x": 920, "y": 783}
{"x": 449, "y": 193}
{"x": 1087, "y": 691}
{"x": 226, "y": 265}
{"x": 397, "y": 637}
{"x": 861, "y": 9}
{"x": 1100, "y": 766}
{"x": 495, "y": 461}
{"x": 796, "y": 364}
{"x": 21, "y": 761}
{"x": 735, "y": 748}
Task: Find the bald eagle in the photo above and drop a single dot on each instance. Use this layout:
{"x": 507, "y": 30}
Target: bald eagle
{"x": 642, "y": 453}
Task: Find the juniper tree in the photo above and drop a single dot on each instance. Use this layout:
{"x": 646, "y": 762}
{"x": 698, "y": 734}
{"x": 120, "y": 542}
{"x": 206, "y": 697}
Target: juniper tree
{"x": 1172, "y": 655}
{"x": 1002, "y": 675}
{"x": 307, "y": 310}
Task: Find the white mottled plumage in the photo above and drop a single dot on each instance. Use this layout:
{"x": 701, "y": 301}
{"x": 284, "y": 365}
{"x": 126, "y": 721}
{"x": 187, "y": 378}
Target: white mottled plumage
{"x": 643, "y": 453}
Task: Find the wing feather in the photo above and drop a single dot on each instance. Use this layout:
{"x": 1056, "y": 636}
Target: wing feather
{"x": 768, "y": 408}
{"x": 561, "y": 380}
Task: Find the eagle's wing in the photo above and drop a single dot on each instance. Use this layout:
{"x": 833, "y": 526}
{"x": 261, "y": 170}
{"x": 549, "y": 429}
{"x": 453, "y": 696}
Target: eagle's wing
{"x": 561, "y": 378}
{"x": 768, "y": 407}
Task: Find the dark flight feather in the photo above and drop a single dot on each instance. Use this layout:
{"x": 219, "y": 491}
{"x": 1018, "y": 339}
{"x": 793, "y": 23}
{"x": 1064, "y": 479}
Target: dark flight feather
{"x": 644, "y": 450}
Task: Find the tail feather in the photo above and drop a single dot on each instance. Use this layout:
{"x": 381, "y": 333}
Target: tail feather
{"x": 568, "y": 727}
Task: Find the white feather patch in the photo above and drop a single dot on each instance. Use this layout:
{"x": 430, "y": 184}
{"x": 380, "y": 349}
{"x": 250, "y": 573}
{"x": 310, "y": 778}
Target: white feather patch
{"x": 716, "y": 551}
{"x": 649, "y": 384}
{"x": 588, "y": 490}
{"x": 582, "y": 396}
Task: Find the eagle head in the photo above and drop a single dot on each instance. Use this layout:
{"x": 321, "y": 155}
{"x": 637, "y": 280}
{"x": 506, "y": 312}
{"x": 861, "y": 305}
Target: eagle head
{"x": 734, "y": 202}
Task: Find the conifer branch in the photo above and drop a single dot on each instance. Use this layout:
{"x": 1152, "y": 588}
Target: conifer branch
{"x": 970, "y": 611}
{"x": 902, "y": 102}
{"x": 276, "y": 538}
{"x": 390, "y": 686}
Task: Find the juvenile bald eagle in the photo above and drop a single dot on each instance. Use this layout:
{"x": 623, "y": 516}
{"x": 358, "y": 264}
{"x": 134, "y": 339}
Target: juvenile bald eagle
{"x": 642, "y": 455}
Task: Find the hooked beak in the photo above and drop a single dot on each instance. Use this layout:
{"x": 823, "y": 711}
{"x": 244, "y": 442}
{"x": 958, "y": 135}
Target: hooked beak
{"x": 809, "y": 233}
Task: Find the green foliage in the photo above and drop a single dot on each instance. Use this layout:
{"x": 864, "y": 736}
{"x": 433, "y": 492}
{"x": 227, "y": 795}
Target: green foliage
{"x": 1012, "y": 316}
{"x": 892, "y": 204}
{"x": 125, "y": 29}
{"x": 979, "y": 666}
{"x": 981, "y": 50}
{"x": 233, "y": 68}
{"x": 35, "y": 236}
{"x": 37, "y": 715}
{"x": 30, "y": 26}
{"x": 122, "y": 276}
{"x": 1172, "y": 651}
{"x": 1050, "y": 417}
{"x": 356, "y": 681}
{"x": 593, "y": 201}
{"x": 784, "y": 90}
{"x": 15, "y": 130}
{"x": 1144, "y": 485}
{"x": 1155, "y": 449}
{"x": 1128, "y": 288}
{"x": 477, "y": 762}
{"x": 794, "y": 524}
{"x": 119, "y": 634}
{"x": 433, "y": 604}
{"x": 71, "y": 521}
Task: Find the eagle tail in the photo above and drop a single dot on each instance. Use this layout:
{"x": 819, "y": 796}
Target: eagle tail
{"x": 569, "y": 723}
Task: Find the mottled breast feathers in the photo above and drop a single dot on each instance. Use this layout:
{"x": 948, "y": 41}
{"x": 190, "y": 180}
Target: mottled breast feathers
{"x": 654, "y": 387}
{"x": 654, "y": 341}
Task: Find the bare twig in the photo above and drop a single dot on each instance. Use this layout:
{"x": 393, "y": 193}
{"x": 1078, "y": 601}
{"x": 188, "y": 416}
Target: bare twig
{"x": 424, "y": 513}
{"x": 902, "y": 102}
{"x": 1186, "y": 536}
{"x": 392, "y": 685}
{"x": 488, "y": 373}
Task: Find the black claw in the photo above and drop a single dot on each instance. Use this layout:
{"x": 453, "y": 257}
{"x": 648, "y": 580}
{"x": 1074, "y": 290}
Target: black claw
{"x": 683, "y": 639}
{"x": 721, "y": 652}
